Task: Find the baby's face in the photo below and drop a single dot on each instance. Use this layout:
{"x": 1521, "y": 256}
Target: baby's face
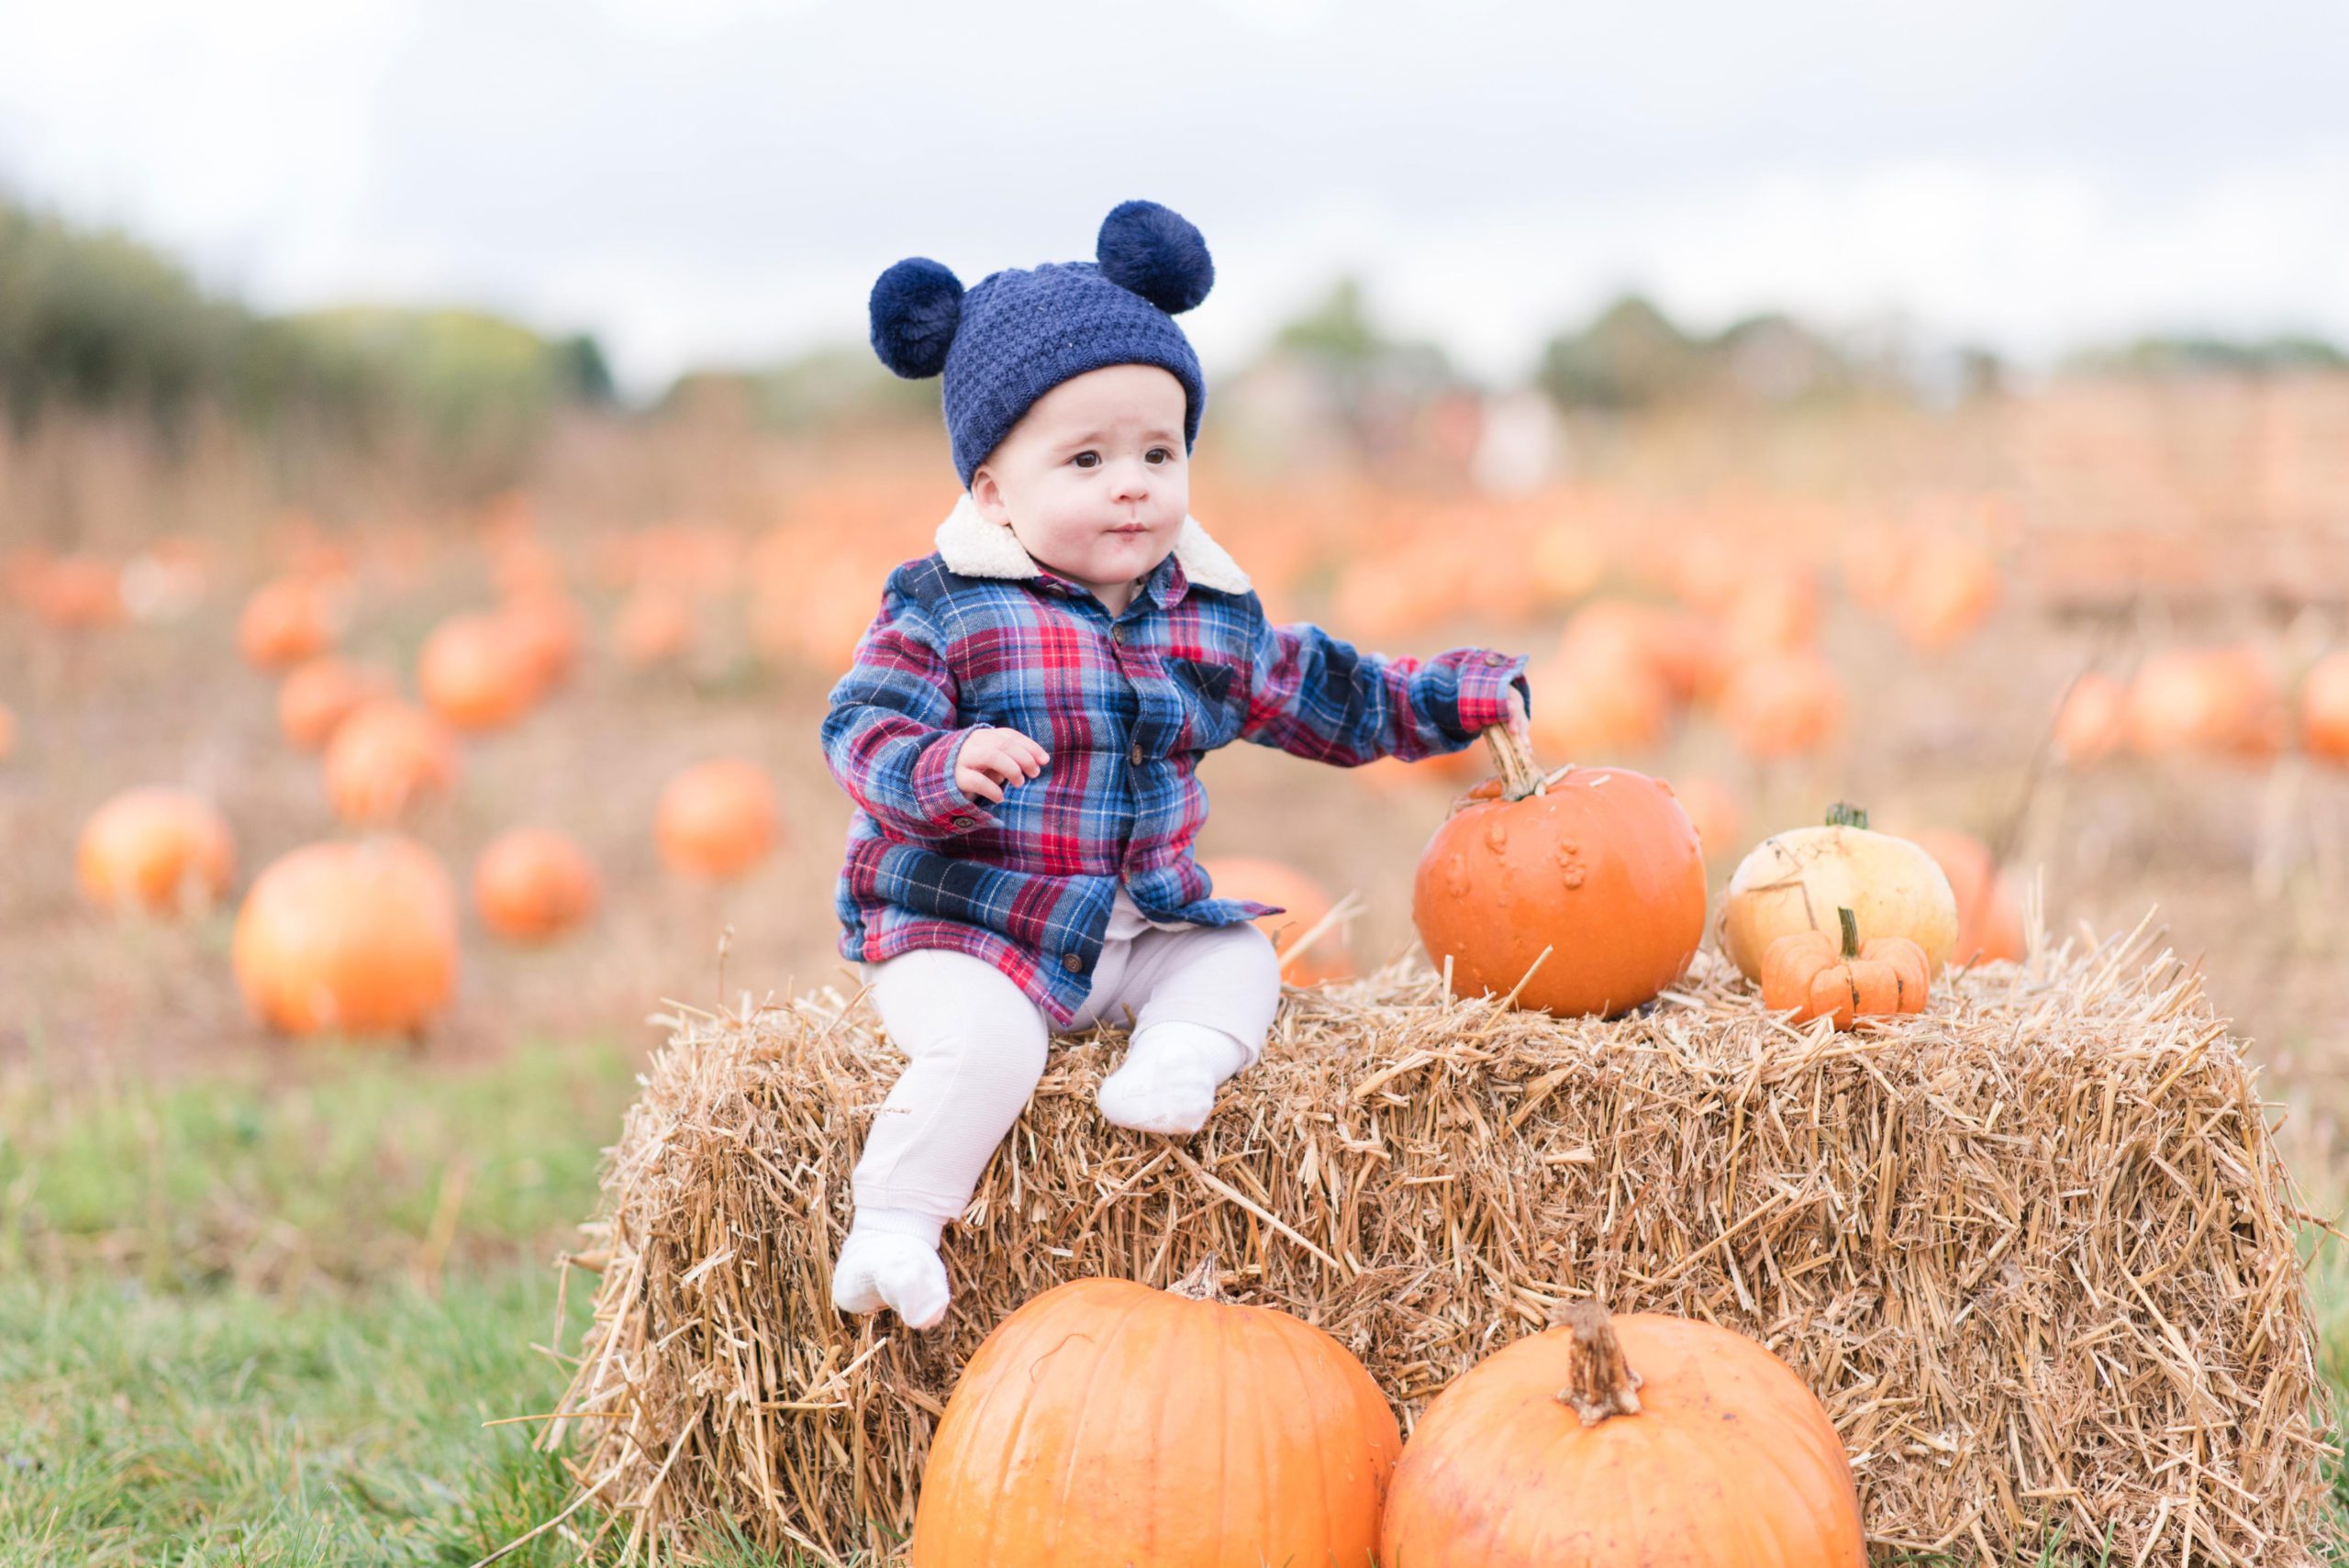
{"x": 1094, "y": 480}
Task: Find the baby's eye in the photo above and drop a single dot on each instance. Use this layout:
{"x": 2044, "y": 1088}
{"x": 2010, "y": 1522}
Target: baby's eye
{"x": 1161, "y": 454}
{"x": 1087, "y": 460}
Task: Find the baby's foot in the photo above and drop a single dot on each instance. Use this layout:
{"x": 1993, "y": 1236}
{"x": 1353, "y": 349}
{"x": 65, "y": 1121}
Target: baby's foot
{"x": 1167, "y": 1082}
{"x": 886, "y": 1261}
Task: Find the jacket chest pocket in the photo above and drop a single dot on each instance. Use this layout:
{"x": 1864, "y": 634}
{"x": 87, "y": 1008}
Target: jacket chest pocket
{"x": 1215, "y": 704}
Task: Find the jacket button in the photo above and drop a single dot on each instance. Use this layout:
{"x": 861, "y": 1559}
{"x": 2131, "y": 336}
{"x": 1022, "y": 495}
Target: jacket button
{"x": 963, "y": 820}
{"x": 1072, "y": 961}
{"x": 1134, "y": 756}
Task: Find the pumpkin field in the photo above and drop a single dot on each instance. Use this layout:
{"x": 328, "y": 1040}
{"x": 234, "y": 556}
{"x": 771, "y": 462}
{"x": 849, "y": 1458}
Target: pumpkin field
{"x": 416, "y": 912}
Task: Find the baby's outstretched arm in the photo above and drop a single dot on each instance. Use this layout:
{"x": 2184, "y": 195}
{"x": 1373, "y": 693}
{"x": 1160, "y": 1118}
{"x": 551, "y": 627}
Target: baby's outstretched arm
{"x": 892, "y": 735}
{"x": 1316, "y": 695}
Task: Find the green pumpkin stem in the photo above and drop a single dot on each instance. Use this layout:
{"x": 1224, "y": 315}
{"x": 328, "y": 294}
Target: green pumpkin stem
{"x": 1598, "y": 1383}
{"x": 1851, "y": 933}
{"x": 1844, "y": 814}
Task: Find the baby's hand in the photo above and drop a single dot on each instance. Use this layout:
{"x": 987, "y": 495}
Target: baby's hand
{"x": 1516, "y": 720}
{"x": 992, "y": 754}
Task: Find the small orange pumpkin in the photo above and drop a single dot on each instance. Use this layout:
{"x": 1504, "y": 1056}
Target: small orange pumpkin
{"x": 76, "y": 593}
{"x": 1302, "y": 902}
{"x": 385, "y": 758}
{"x": 1949, "y": 589}
{"x": 549, "y": 629}
{"x": 317, "y": 696}
{"x": 1599, "y": 865}
{"x": 534, "y": 883}
{"x": 1642, "y": 1439}
{"x": 2325, "y": 708}
{"x": 477, "y": 671}
{"x": 2216, "y": 701}
{"x": 716, "y": 820}
{"x": 1806, "y": 971}
{"x": 2093, "y": 722}
{"x": 164, "y": 850}
{"x": 348, "y": 939}
{"x": 1038, "y": 1458}
{"x": 285, "y": 622}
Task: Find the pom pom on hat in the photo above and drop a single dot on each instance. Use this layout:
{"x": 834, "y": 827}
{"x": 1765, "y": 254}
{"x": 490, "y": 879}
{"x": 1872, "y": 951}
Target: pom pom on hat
{"x": 916, "y": 306}
{"x": 1156, "y": 252}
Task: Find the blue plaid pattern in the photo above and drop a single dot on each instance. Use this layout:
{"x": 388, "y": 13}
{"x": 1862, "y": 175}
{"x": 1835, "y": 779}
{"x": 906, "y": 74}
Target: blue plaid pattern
{"x": 1125, "y": 706}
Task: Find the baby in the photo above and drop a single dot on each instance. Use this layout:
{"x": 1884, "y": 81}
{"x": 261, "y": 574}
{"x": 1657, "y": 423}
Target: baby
{"x": 1022, "y": 725}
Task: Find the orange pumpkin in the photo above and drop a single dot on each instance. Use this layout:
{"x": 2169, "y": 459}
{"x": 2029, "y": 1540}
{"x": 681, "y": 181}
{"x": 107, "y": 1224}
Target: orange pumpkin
{"x": 1792, "y": 881}
{"x": 164, "y": 850}
{"x": 348, "y": 939}
{"x": 1947, "y": 592}
{"x": 477, "y": 671}
{"x": 317, "y": 696}
{"x": 1039, "y": 1460}
{"x": 2093, "y": 722}
{"x": 1641, "y": 1439}
{"x": 549, "y": 629}
{"x": 385, "y": 758}
{"x": 534, "y": 883}
{"x": 1989, "y": 927}
{"x": 715, "y": 820}
{"x": 2215, "y": 701}
{"x": 1302, "y": 902}
{"x": 1598, "y": 866}
{"x": 654, "y": 626}
{"x": 1809, "y": 973}
{"x": 1773, "y": 612}
{"x": 1713, "y": 810}
{"x": 1783, "y": 704}
{"x": 285, "y": 622}
{"x": 76, "y": 593}
{"x": 1597, "y": 710}
{"x": 2325, "y": 708}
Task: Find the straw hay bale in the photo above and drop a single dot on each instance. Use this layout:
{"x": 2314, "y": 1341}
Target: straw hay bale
{"x": 2034, "y": 1248}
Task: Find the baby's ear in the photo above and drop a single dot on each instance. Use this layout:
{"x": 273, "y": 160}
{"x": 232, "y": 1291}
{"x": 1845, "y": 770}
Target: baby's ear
{"x": 1156, "y": 252}
{"x": 916, "y": 306}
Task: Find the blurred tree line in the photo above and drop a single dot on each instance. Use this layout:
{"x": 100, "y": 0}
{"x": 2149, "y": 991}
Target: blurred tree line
{"x": 92, "y": 320}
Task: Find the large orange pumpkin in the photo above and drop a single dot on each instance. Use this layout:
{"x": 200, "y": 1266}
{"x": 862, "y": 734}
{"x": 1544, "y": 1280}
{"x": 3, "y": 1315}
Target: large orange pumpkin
{"x": 1783, "y": 704}
{"x": 2216, "y": 701}
{"x": 161, "y": 850}
{"x": 387, "y": 758}
{"x": 348, "y": 939}
{"x": 1989, "y": 927}
{"x": 317, "y": 696}
{"x": 1643, "y": 1439}
{"x": 477, "y": 671}
{"x": 285, "y": 622}
{"x": 2325, "y": 708}
{"x": 1598, "y": 866}
{"x": 533, "y": 883}
{"x": 1106, "y": 1425}
{"x": 1302, "y": 902}
{"x": 716, "y": 820}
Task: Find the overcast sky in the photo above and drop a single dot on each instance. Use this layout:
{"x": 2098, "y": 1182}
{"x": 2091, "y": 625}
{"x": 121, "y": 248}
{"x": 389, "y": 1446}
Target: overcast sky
{"x": 717, "y": 181}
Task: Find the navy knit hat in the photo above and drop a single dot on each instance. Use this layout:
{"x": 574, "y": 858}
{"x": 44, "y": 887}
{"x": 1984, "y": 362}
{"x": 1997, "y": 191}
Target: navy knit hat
{"x": 1018, "y": 334}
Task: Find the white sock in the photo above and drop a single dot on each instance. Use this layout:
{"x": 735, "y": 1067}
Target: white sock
{"x": 890, "y": 1259}
{"x": 1168, "y": 1079}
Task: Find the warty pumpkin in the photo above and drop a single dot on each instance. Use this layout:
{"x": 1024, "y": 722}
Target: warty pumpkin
{"x": 1598, "y": 866}
{"x": 1816, "y": 976}
{"x": 1643, "y": 1439}
{"x": 1106, "y": 1424}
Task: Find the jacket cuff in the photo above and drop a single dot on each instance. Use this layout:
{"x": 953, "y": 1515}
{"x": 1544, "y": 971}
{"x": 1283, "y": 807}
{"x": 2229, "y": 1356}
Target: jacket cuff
{"x": 939, "y": 803}
{"x": 1485, "y": 680}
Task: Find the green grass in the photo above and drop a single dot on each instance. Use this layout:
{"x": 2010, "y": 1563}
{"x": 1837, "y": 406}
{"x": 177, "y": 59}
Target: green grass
{"x": 261, "y": 1323}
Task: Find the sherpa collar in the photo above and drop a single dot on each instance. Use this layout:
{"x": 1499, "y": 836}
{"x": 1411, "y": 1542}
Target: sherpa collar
{"x": 976, "y": 547}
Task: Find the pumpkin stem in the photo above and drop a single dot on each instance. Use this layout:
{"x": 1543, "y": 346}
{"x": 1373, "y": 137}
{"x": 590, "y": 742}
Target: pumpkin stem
{"x": 1204, "y": 1283}
{"x": 1844, "y": 814}
{"x": 1851, "y": 932}
{"x": 1598, "y": 1383}
{"x": 1514, "y": 762}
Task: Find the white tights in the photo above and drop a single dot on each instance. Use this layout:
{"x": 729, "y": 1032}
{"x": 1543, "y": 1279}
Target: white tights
{"x": 1201, "y": 1000}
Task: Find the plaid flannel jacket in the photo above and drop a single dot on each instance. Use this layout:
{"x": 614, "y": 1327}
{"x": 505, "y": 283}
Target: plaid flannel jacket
{"x": 978, "y": 634}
